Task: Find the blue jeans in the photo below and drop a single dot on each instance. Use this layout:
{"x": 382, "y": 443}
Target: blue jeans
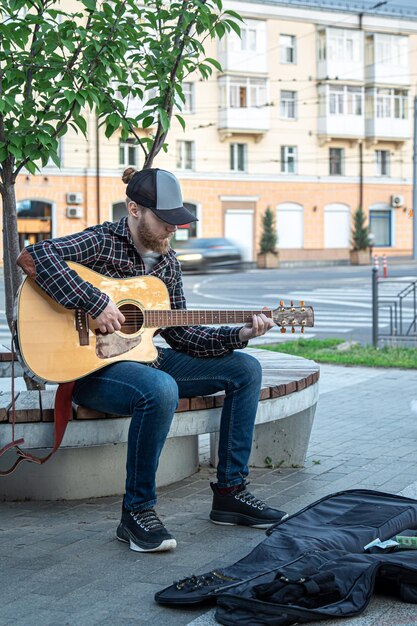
{"x": 151, "y": 395}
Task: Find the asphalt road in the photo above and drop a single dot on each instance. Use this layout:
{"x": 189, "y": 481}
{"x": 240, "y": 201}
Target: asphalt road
{"x": 341, "y": 296}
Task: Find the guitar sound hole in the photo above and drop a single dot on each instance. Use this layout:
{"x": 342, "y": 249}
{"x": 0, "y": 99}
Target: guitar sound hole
{"x": 133, "y": 318}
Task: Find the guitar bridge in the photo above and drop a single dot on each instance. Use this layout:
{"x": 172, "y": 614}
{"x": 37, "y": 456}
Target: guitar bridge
{"x": 81, "y": 324}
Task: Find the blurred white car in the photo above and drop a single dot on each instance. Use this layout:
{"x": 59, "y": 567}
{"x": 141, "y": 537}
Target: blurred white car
{"x": 203, "y": 254}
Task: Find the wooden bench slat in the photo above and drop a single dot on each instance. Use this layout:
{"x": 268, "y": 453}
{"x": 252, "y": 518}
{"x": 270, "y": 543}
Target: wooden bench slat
{"x": 27, "y": 407}
{"x": 47, "y": 401}
{"x": 5, "y": 404}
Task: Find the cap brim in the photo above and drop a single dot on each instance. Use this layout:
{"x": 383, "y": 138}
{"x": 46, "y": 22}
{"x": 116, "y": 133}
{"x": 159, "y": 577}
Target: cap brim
{"x": 175, "y": 217}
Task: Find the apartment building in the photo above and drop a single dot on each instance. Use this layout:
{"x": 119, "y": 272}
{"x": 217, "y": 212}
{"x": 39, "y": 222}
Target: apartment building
{"x": 311, "y": 116}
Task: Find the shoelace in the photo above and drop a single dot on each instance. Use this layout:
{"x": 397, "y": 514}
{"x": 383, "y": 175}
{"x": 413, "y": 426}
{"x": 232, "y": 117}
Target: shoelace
{"x": 148, "y": 520}
{"x": 193, "y": 582}
{"x": 247, "y": 498}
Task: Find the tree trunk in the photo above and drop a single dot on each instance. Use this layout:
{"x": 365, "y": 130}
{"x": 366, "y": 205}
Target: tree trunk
{"x": 12, "y": 273}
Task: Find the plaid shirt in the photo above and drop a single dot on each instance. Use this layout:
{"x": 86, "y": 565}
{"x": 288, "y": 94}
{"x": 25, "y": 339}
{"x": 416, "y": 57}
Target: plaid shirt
{"x": 109, "y": 249}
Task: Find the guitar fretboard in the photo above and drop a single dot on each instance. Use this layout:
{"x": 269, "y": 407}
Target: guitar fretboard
{"x": 181, "y": 317}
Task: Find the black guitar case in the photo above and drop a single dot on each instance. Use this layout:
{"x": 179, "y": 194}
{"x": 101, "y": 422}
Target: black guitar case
{"x": 314, "y": 565}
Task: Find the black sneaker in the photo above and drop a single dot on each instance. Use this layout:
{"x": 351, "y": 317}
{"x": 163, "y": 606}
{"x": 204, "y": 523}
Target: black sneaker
{"x": 144, "y": 531}
{"x": 241, "y": 507}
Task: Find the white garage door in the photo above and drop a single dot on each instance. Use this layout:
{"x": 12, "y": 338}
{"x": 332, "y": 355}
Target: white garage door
{"x": 238, "y": 227}
{"x": 336, "y": 226}
{"x": 290, "y": 225}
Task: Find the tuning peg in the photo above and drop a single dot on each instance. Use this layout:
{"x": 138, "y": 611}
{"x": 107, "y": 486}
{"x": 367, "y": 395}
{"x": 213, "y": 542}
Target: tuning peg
{"x": 302, "y": 329}
{"x": 281, "y": 304}
{"x": 283, "y": 329}
{"x": 302, "y": 305}
{"x": 293, "y": 330}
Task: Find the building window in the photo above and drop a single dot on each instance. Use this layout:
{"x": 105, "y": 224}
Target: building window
{"x": 336, "y": 157}
{"x": 185, "y": 155}
{"x": 249, "y": 37}
{"x": 380, "y": 227}
{"x": 246, "y": 93}
{"x": 287, "y": 49}
{"x": 288, "y": 105}
{"x": 344, "y": 45}
{"x": 128, "y": 153}
{"x": 238, "y": 157}
{"x": 392, "y": 103}
{"x": 344, "y": 100}
{"x": 336, "y": 100}
{"x": 288, "y": 159}
{"x": 188, "y": 91}
{"x": 382, "y": 162}
{"x": 354, "y": 100}
{"x": 391, "y": 50}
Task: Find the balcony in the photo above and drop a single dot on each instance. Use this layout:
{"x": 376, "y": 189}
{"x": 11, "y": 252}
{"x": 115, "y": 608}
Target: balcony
{"x": 243, "y": 106}
{"x": 387, "y": 60}
{"x": 387, "y": 114}
{"x": 246, "y": 53}
{"x": 387, "y": 129}
{"x": 340, "y": 54}
{"x": 341, "y": 112}
{"x": 249, "y": 120}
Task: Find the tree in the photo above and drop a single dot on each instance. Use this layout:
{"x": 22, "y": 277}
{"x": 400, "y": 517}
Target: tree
{"x": 268, "y": 240}
{"x": 55, "y": 65}
{"x": 360, "y": 232}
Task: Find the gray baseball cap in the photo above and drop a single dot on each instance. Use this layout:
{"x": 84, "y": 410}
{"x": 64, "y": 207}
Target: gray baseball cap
{"x": 159, "y": 191}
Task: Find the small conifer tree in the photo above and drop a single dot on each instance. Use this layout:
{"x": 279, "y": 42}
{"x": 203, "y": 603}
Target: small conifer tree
{"x": 269, "y": 236}
{"x": 360, "y": 232}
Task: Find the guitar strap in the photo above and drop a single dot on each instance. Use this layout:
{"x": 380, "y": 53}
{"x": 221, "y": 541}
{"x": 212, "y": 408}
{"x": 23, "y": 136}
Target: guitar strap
{"x": 62, "y": 415}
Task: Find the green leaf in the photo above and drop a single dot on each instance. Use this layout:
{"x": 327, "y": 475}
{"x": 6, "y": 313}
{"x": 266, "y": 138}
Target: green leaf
{"x": 214, "y": 62}
{"x": 233, "y": 26}
{"x": 164, "y": 119}
{"x": 181, "y": 121}
{"x": 55, "y": 158}
{"x": 235, "y": 15}
{"x": 81, "y": 123}
{"x": 31, "y": 167}
{"x": 147, "y": 121}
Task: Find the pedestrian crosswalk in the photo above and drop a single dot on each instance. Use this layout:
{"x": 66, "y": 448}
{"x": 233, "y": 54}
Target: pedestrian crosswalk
{"x": 337, "y": 310}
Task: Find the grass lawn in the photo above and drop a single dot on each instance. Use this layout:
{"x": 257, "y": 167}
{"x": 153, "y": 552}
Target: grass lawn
{"x": 326, "y": 351}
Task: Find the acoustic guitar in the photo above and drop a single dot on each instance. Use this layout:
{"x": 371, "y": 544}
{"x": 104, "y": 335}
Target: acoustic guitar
{"x": 60, "y": 345}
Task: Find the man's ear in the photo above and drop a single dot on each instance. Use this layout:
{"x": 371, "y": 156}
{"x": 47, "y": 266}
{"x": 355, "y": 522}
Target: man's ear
{"x": 133, "y": 209}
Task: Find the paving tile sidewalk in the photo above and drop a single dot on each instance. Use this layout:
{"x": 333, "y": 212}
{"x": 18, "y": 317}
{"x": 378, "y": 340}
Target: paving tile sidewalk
{"x": 61, "y": 564}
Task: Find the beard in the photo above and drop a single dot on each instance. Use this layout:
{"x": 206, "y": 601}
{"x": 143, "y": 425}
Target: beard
{"x": 150, "y": 241}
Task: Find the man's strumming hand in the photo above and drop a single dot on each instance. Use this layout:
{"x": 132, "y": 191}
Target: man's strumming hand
{"x": 110, "y": 319}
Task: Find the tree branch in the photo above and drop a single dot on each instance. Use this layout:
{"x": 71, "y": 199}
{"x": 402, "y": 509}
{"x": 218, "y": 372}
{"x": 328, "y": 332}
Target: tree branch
{"x": 169, "y": 100}
{"x": 29, "y": 77}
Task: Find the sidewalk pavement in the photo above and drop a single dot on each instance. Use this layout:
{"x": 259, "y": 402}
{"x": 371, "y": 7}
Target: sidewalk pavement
{"x": 62, "y": 565}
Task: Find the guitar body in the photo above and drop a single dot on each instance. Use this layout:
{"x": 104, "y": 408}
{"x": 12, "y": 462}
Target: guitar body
{"x": 49, "y": 341}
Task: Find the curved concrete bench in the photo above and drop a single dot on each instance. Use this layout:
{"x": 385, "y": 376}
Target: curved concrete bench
{"x": 91, "y": 460}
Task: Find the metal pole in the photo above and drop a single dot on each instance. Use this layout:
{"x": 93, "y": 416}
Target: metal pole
{"x": 375, "y": 307}
{"x": 415, "y": 181}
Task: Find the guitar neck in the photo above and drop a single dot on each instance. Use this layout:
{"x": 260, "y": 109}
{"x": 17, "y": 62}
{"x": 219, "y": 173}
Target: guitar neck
{"x": 183, "y": 317}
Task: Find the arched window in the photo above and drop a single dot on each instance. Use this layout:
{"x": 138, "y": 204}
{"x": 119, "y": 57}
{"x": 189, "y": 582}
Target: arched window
{"x": 290, "y": 225}
{"x": 34, "y": 221}
{"x": 119, "y": 210}
{"x": 337, "y": 226}
{"x": 34, "y": 209}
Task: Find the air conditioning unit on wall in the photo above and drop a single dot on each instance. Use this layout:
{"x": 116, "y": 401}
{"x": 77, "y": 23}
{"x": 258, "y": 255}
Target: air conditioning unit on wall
{"x": 397, "y": 200}
{"x": 74, "y": 197}
{"x": 75, "y": 211}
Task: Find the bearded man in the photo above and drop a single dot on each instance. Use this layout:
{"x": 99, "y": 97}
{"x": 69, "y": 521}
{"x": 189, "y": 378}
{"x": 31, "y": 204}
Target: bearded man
{"x": 200, "y": 360}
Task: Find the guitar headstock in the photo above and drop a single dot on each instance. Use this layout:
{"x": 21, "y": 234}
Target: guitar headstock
{"x": 292, "y": 316}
